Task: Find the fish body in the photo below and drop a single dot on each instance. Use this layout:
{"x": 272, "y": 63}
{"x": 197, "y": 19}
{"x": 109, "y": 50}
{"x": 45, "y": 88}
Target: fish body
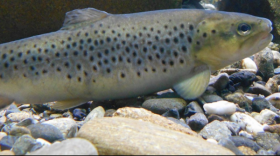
{"x": 100, "y": 56}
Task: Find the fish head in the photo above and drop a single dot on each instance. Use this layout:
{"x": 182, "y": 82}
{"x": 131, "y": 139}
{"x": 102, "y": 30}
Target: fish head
{"x": 223, "y": 38}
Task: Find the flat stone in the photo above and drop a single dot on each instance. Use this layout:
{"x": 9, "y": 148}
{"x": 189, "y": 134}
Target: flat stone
{"x": 211, "y": 98}
{"x": 272, "y": 85}
{"x": 220, "y": 82}
{"x": 27, "y": 122}
{"x": 46, "y": 131}
{"x": 245, "y": 78}
{"x": 259, "y": 89}
{"x": 215, "y": 130}
{"x": 18, "y": 117}
{"x": 74, "y": 146}
{"x": 8, "y": 127}
{"x": 192, "y": 108}
{"x": 172, "y": 113}
{"x": 145, "y": 115}
{"x": 67, "y": 126}
{"x": 259, "y": 104}
{"x": 242, "y": 141}
{"x": 227, "y": 143}
{"x": 12, "y": 109}
{"x": 142, "y": 137}
{"x": 197, "y": 121}
{"x": 267, "y": 140}
{"x": 161, "y": 106}
{"x": 19, "y": 131}
{"x": 23, "y": 145}
{"x": 97, "y": 112}
{"x": 247, "y": 150}
{"x": 274, "y": 99}
{"x": 7, "y": 142}
{"x": 214, "y": 117}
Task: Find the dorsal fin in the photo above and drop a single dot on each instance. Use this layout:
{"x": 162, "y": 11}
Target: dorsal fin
{"x": 80, "y": 17}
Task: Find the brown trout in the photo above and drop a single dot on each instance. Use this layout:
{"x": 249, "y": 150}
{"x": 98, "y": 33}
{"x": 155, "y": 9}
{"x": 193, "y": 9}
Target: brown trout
{"x": 101, "y": 56}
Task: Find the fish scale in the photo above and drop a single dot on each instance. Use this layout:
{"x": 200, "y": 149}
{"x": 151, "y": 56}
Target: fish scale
{"x": 99, "y": 56}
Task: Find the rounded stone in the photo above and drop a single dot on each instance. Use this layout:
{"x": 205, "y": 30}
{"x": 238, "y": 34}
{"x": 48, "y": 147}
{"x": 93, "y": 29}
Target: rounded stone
{"x": 192, "y": 108}
{"x": 245, "y": 78}
{"x": 172, "y": 113}
{"x": 215, "y": 130}
{"x": 79, "y": 114}
{"x": 219, "y": 82}
{"x": 67, "y": 126}
{"x": 246, "y": 150}
{"x": 75, "y": 146}
{"x": 7, "y": 142}
{"x": 27, "y": 122}
{"x": 259, "y": 104}
{"x": 161, "y": 106}
{"x": 23, "y": 145}
{"x": 197, "y": 121}
{"x": 240, "y": 99}
{"x": 18, "y": 117}
{"x": 138, "y": 136}
{"x": 227, "y": 143}
{"x": 97, "y": 112}
{"x": 264, "y": 61}
{"x": 12, "y": 109}
{"x": 242, "y": 141}
{"x": 259, "y": 89}
{"x": 19, "y": 131}
{"x": 211, "y": 98}
{"x": 46, "y": 131}
{"x": 109, "y": 112}
{"x": 267, "y": 140}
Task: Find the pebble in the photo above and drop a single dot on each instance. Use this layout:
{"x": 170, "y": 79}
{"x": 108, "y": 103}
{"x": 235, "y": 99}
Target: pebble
{"x": 272, "y": 128}
{"x": 180, "y": 122}
{"x": 12, "y": 109}
{"x": 145, "y": 115}
{"x": 97, "y": 112}
{"x": 79, "y": 114}
{"x": 259, "y": 89}
{"x": 192, "y": 108}
{"x": 274, "y": 99}
{"x": 247, "y": 123}
{"x": 219, "y": 82}
{"x": 272, "y": 85}
{"x": 267, "y": 140}
{"x": 240, "y": 99}
{"x": 142, "y": 137}
{"x": 214, "y": 117}
{"x": 211, "y": 98}
{"x": 27, "y": 122}
{"x": 109, "y": 112}
{"x": 220, "y": 108}
{"x": 18, "y": 117}
{"x": 242, "y": 141}
{"x": 264, "y": 61}
{"x": 160, "y": 106}
{"x": 23, "y": 145}
{"x": 246, "y": 135}
{"x": 277, "y": 71}
{"x": 248, "y": 63}
{"x": 46, "y": 131}
{"x": 8, "y": 127}
{"x": 53, "y": 116}
{"x": 233, "y": 127}
{"x": 243, "y": 78}
{"x": 227, "y": 143}
{"x": 266, "y": 116}
{"x": 19, "y": 131}
{"x": 215, "y": 130}
{"x": 259, "y": 104}
{"x": 74, "y": 146}
{"x": 2, "y": 134}
{"x": 67, "y": 126}
{"x": 246, "y": 150}
{"x": 172, "y": 113}
{"x": 7, "y": 142}
{"x": 197, "y": 121}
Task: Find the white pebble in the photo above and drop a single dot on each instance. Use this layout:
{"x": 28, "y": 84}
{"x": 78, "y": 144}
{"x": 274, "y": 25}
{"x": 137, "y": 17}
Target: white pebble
{"x": 220, "y": 108}
{"x": 212, "y": 141}
{"x": 248, "y": 63}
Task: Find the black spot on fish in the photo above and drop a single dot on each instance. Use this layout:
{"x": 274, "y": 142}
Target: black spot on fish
{"x": 184, "y": 48}
{"x": 69, "y": 38}
{"x": 91, "y": 48}
{"x": 113, "y": 59}
{"x": 96, "y": 43}
{"x": 15, "y": 67}
{"x": 37, "y": 73}
{"x": 86, "y": 34}
{"x": 12, "y": 59}
{"x": 197, "y": 30}
{"x": 122, "y": 75}
{"x": 204, "y": 35}
{"x": 150, "y": 58}
{"x": 157, "y": 38}
{"x": 136, "y": 46}
{"x": 89, "y": 40}
{"x": 113, "y": 31}
{"x": 103, "y": 32}
{"x": 158, "y": 56}
{"x": 154, "y": 47}
{"x": 213, "y": 31}
{"x": 154, "y": 70}
{"x": 53, "y": 46}
{"x": 182, "y": 26}
{"x": 163, "y": 62}
{"x": 107, "y": 52}
{"x": 146, "y": 70}
{"x": 164, "y": 70}
{"x": 76, "y": 53}
{"x": 19, "y": 55}
{"x": 149, "y": 43}
{"x": 127, "y": 35}
{"x": 68, "y": 46}
{"x": 115, "y": 39}
{"x": 175, "y": 53}
{"x": 85, "y": 53}
{"x": 79, "y": 79}
{"x": 123, "y": 42}
{"x": 182, "y": 61}
{"x": 57, "y": 54}
{"x": 32, "y": 68}
{"x": 99, "y": 54}
{"x": 127, "y": 49}
{"x": 108, "y": 39}
{"x": 95, "y": 32}
{"x": 189, "y": 39}
{"x": 81, "y": 41}
{"x": 25, "y": 61}
{"x": 152, "y": 29}
{"x": 4, "y": 56}
{"x": 40, "y": 59}
{"x": 44, "y": 71}
{"x": 140, "y": 34}
{"x": 139, "y": 74}
{"x": 66, "y": 65}
{"x": 181, "y": 35}
{"x": 145, "y": 49}
{"x": 101, "y": 42}
{"x": 81, "y": 47}
{"x": 144, "y": 28}
{"x": 28, "y": 51}
{"x": 79, "y": 67}
{"x": 191, "y": 27}
{"x": 166, "y": 27}
{"x": 128, "y": 60}
{"x": 158, "y": 31}
{"x": 120, "y": 59}
{"x": 66, "y": 54}
{"x": 39, "y": 50}
{"x": 171, "y": 63}
{"x": 85, "y": 73}
{"x": 106, "y": 61}
{"x": 69, "y": 76}
{"x": 94, "y": 68}
{"x": 6, "y": 65}
{"x": 91, "y": 58}
{"x": 134, "y": 54}
{"x": 175, "y": 28}
{"x": 176, "y": 40}
{"x": 108, "y": 70}
{"x": 139, "y": 61}
{"x": 161, "y": 49}
{"x": 100, "y": 63}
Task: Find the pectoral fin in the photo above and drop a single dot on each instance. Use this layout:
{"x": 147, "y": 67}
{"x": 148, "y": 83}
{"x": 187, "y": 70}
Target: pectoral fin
{"x": 67, "y": 104}
{"x": 195, "y": 86}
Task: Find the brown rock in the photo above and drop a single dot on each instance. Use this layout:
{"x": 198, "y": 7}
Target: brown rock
{"x": 124, "y": 136}
{"x": 272, "y": 129}
{"x": 272, "y": 85}
{"x": 145, "y": 115}
{"x": 246, "y": 150}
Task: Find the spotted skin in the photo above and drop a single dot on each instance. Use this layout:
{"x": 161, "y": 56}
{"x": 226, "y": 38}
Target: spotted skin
{"x": 114, "y": 57}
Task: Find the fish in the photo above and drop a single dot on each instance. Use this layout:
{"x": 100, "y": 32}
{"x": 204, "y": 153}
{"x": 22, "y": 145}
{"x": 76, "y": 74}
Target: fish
{"x": 101, "y": 56}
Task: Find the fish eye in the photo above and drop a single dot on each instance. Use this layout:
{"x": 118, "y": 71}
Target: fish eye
{"x": 244, "y": 29}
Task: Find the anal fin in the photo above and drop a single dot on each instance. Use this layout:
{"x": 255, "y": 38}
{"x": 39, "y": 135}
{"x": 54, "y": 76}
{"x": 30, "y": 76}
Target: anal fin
{"x": 67, "y": 104}
{"x": 195, "y": 86}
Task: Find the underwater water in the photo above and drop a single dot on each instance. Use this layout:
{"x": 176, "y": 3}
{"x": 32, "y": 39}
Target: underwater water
{"x": 96, "y": 81}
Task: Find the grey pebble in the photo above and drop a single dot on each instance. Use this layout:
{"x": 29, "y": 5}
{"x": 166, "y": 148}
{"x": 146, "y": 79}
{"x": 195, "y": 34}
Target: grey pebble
{"x": 244, "y": 78}
{"x": 240, "y": 99}
{"x": 214, "y": 117}
{"x": 160, "y": 106}
{"x": 46, "y": 131}
{"x": 259, "y": 104}
{"x": 233, "y": 127}
{"x": 172, "y": 113}
{"x": 12, "y": 109}
{"x": 216, "y": 130}
{"x": 7, "y": 142}
{"x": 264, "y": 152}
{"x": 192, "y": 108}
{"x": 75, "y": 146}
{"x": 19, "y": 116}
{"x": 211, "y": 98}
{"x": 197, "y": 121}
{"x": 23, "y": 145}
{"x": 259, "y": 89}
{"x": 8, "y": 127}
{"x": 264, "y": 61}
{"x": 267, "y": 140}
{"x": 79, "y": 114}
{"x": 277, "y": 71}
{"x": 97, "y": 112}
{"x": 27, "y": 122}
{"x": 109, "y": 112}
{"x": 19, "y": 131}
{"x": 227, "y": 143}
{"x": 220, "y": 81}
{"x": 67, "y": 126}
{"x": 242, "y": 141}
